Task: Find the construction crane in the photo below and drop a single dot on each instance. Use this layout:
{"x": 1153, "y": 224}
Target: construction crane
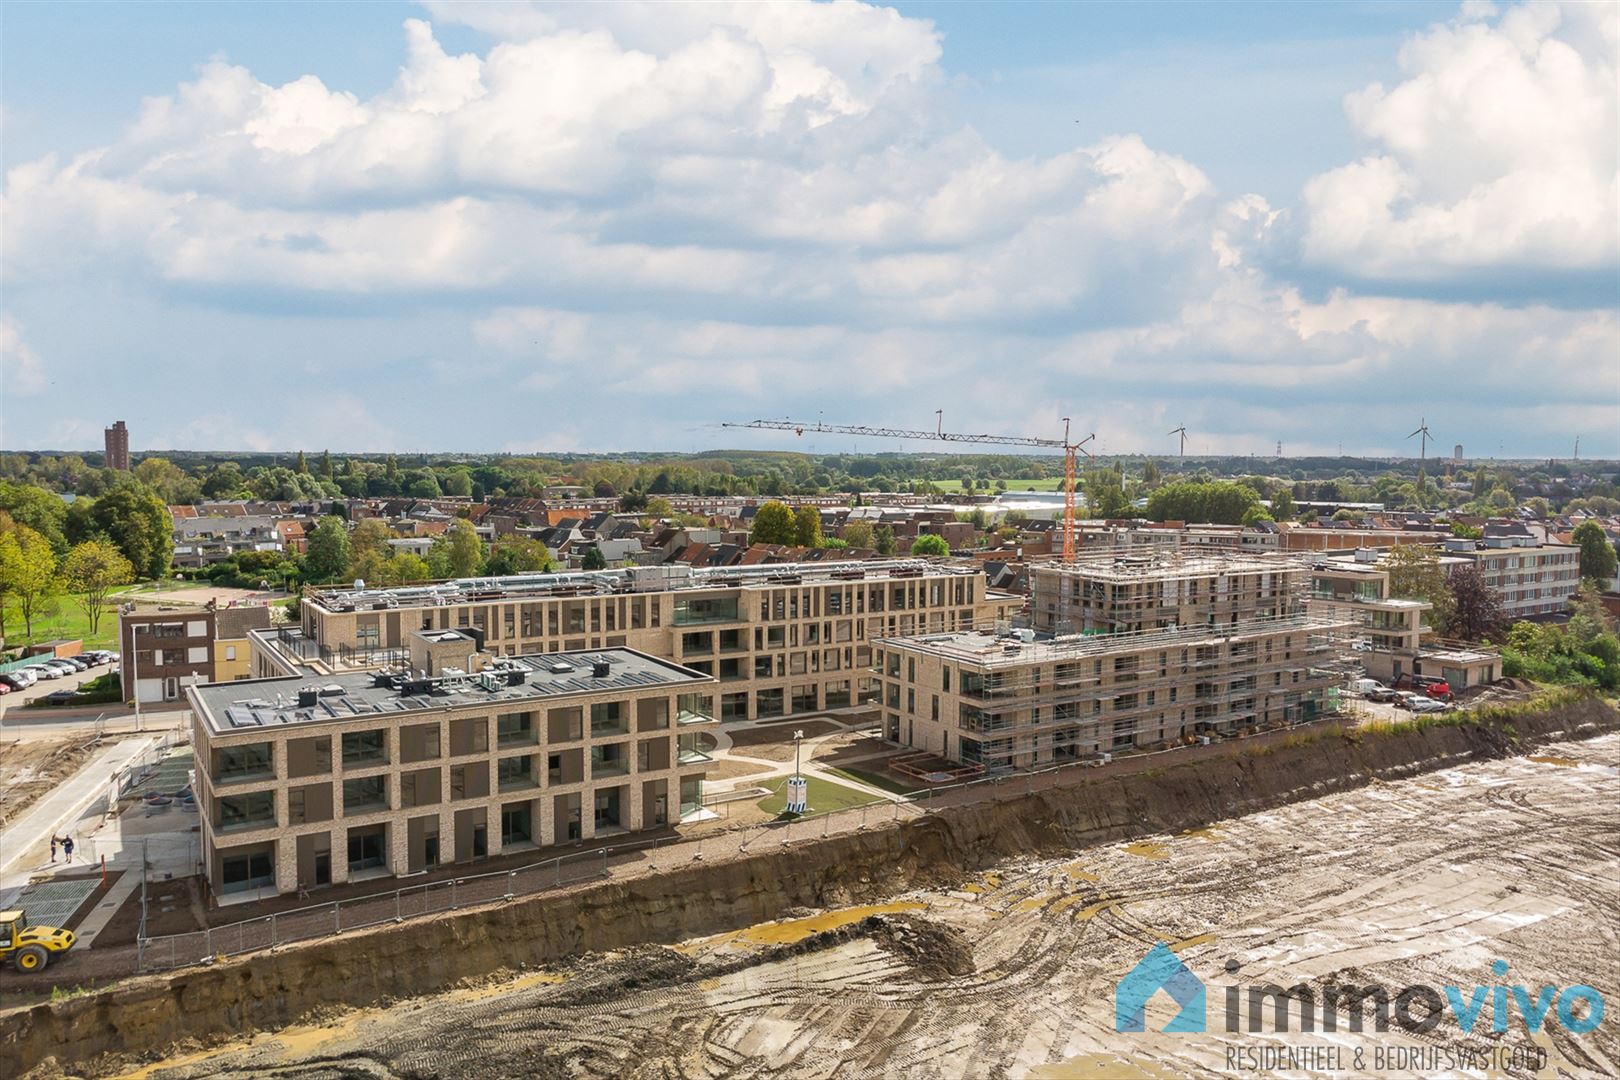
{"x": 1069, "y": 448}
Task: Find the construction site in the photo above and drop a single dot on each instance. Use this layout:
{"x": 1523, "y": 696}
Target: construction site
{"x": 982, "y": 937}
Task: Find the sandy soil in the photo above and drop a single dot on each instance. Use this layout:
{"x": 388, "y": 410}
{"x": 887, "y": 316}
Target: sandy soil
{"x": 31, "y": 767}
{"x": 731, "y": 770}
{"x": 775, "y": 743}
{"x": 1012, "y": 973}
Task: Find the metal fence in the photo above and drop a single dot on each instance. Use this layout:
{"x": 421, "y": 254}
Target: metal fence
{"x": 630, "y": 859}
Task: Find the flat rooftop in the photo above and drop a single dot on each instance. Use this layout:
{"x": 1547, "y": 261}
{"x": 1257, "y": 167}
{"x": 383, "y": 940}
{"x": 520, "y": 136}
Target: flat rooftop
{"x": 986, "y": 649}
{"x": 1155, "y": 565}
{"x": 512, "y": 682}
{"x": 627, "y": 581}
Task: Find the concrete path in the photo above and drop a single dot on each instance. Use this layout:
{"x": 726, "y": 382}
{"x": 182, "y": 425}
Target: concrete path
{"x": 26, "y": 842}
{"x": 95, "y": 922}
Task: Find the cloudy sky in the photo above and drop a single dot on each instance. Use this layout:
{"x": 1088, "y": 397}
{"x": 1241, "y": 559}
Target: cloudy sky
{"x": 466, "y": 226}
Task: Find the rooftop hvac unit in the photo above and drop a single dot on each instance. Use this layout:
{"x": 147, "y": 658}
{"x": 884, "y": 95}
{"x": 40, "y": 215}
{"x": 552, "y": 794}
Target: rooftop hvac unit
{"x": 600, "y": 669}
{"x": 307, "y": 696}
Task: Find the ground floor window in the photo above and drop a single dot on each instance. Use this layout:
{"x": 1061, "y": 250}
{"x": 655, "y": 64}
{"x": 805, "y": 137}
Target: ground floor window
{"x": 515, "y": 824}
{"x": 366, "y": 848}
{"x": 239, "y": 873}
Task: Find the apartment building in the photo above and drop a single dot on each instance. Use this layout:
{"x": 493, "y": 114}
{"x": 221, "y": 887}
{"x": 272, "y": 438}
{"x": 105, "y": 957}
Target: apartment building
{"x": 1005, "y": 701}
{"x": 163, "y": 652}
{"x": 115, "y": 443}
{"x": 779, "y": 639}
{"x": 1533, "y": 579}
{"x": 1155, "y": 648}
{"x": 1151, "y": 590}
{"x": 303, "y": 783}
{"x": 1389, "y": 631}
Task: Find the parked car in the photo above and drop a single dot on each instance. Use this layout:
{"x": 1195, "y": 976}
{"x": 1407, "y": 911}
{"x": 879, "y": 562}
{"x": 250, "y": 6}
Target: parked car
{"x": 77, "y": 663}
{"x": 13, "y": 680}
{"x": 5, "y": 688}
{"x": 1373, "y": 690}
{"x": 62, "y": 667}
{"x": 45, "y": 671}
{"x": 60, "y": 697}
{"x": 1405, "y": 699}
{"x": 1425, "y": 684}
{"x": 1432, "y": 705}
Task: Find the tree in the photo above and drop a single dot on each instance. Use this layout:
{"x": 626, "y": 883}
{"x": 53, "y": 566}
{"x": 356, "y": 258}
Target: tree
{"x": 518, "y": 556}
{"x": 302, "y": 464}
{"x": 858, "y": 534}
{"x": 133, "y": 518}
{"x": 1598, "y": 558}
{"x": 326, "y": 465}
{"x": 807, "y": 527}
{"x": 1218, "y": 502}
{"x": 1477, "y": 613}
{"x": 1105, "y": 494}
{"x": 1256, "y": 514}
{"x": 370, "y": 535}
{"x": 1415, "y": 574}
{"x": 1282, "y": 504}
{"x": 466, "y": 551}
{"x": 658, "y": 507}
{"x": 164, "y": 477}
{"x": 594, "y": 559}
{"x": 326, "y": 553}
{"x": 931, "y": 545}
{"x": 27, "y": 573}
{"x": 774, "y": 523}
{"x": 39, "y": 510}
{"x": 92, "y": 570}
{"x": 1150, "y": 473}
{"x": 403, "y": 568}
{"x": 883, "y": 540}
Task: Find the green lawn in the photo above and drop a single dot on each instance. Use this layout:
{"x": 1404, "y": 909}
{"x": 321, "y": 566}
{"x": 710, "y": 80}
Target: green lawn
{"x": 824, "y": 795}
{"x": 67, "y": 621}
{"x": 1044, "y": 483}
{"x": 878, "y": 780}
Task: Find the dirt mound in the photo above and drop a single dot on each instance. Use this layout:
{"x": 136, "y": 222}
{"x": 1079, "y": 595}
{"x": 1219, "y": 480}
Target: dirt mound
{"x": 594, "y": 980}
{"x": 934, "y": 950}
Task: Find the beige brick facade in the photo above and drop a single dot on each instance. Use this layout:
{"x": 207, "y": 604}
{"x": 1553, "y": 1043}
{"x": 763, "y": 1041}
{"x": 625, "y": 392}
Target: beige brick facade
{"x": 356, "y": 779}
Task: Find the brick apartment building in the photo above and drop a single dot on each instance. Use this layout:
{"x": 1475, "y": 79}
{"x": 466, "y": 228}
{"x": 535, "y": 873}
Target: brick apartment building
{"x": 163, "y": 652}
{"x": 304, "y": 782}
{"x": 779, "y": 639}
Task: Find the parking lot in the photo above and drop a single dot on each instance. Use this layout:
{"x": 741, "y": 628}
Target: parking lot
{"x": 19, "y": 698}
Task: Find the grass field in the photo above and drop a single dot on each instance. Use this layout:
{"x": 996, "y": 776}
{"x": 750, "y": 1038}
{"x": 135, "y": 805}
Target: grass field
{"x": 877, "y": 780}
{"x": 824, "y": 795}
{"x": 1045, "y": 483}
{"x": 67, "y": 621}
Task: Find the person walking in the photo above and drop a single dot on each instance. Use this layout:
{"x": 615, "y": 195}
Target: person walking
{"x": 54, "y": 841}
{"x": 67, "y": 847}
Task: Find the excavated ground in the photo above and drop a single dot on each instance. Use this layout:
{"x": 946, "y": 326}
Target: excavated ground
{"x": 1412, "y": 858}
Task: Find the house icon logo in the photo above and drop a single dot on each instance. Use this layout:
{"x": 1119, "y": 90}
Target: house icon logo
{"x": 1160, "y": 969}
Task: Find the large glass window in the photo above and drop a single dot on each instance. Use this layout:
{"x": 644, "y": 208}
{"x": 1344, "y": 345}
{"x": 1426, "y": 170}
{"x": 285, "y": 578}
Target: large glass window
{"x": 515, "y": 729}
{"x": 365, "y": 795}
{"x": 697, "y": 610}
{"x": 362, "y": 749}
{"x": 249, "y": 810}
{"x": 609, "y": 760}
{"x": 694, "y": 708}
{"x": 518, "y": 772}
{"x": 245, "y": 761}
{"x": 609, "y": 718}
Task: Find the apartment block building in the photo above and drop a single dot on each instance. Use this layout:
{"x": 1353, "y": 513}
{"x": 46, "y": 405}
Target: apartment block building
{"x": 1532, "y": 578}
{"x": 115, "y": 443}
{"x": 779, "y": 639}
{"x": 303, "y": 783}
{"x": 1004, "y": 701}
{"x": 1152, "y": 590}
{"x": 163, "y": 652}
{"x": 1155, "y": 648}
{"x": 1389, "y": 631}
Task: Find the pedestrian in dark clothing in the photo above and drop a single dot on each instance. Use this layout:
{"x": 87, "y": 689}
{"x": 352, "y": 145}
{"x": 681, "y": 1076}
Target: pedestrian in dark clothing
{"x": 67, "y": 848}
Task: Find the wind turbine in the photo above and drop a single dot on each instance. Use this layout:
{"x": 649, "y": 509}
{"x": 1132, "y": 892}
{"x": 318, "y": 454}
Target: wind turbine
{"x": 1182, "y": 431}
{"x": 1423, "y": 443}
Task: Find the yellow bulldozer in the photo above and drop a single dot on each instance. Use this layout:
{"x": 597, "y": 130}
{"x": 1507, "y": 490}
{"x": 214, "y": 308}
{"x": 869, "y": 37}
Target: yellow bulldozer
{"x": 30, "y": 948}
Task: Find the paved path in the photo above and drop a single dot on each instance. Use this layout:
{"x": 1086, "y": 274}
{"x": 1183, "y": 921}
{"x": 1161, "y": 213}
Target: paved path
{"x": 95, "y": 922}
{"x": 26, "y": 843}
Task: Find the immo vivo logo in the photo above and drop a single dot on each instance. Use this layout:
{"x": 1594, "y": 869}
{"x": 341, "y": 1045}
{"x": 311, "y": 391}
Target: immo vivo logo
{"x": 1418, "y": 1008}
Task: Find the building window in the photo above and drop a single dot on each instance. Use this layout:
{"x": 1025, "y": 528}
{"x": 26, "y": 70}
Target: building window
{"x": 363, "y": 749}
{"x": 365, "y": 795}
{"x": 515, "y": 729}
{"x": 246, "y": 761}
{"x": 609, "y": 718}
{"x": 249, "y": 810}
{"x": 517, "y": 772}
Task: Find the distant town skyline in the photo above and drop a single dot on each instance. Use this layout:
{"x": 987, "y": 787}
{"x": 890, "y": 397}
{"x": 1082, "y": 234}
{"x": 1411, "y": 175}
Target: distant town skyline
{"x": 592, "y": 228}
